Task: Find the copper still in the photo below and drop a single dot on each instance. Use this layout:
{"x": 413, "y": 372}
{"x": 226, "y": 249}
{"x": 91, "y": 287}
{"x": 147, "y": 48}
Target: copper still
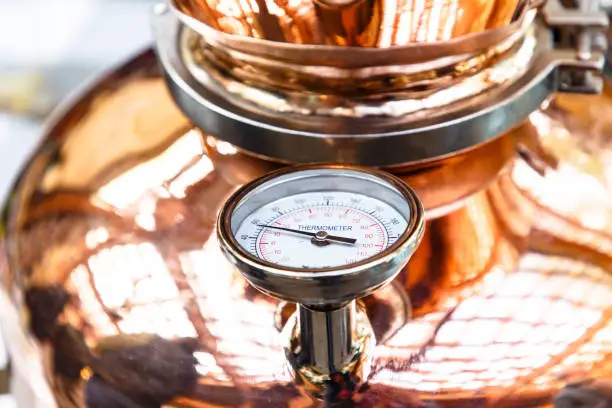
{"x": 116, "y": 294}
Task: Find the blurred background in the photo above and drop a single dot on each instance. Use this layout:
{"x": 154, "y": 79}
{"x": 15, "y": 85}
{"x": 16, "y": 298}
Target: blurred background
{"x": 48, "y": 50}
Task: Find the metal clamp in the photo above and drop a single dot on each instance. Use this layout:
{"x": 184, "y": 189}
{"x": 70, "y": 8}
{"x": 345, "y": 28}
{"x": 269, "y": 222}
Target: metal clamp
{"x": 581, "y": 32}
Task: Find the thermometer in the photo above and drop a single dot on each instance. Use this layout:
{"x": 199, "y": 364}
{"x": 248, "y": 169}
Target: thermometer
{"x": 322, "y": 236}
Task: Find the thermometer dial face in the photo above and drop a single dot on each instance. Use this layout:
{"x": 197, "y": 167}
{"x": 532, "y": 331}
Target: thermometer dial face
{"x": 320, "y": 229}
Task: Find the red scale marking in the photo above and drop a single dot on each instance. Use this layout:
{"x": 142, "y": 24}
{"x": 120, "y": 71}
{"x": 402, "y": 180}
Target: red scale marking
{"x": 269, "y": 254}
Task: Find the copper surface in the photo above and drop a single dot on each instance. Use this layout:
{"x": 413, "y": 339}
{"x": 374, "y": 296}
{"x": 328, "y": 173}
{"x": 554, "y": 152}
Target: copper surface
{"x": 401, "y": 92}
{"x": 122, "y": 296}
{"x": 361, "y": 23}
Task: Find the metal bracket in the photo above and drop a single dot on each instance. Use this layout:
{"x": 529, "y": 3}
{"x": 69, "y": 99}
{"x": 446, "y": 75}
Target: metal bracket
{"x": 580, "y": 31}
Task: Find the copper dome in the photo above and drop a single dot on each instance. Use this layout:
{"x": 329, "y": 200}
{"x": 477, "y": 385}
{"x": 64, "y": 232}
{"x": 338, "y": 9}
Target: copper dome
{"x": 362, "y": 23}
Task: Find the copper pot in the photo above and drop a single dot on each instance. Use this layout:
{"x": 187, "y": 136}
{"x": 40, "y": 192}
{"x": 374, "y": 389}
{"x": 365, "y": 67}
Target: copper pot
{"x": 116, "y": 293}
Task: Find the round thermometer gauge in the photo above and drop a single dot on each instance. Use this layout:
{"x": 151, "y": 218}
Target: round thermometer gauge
{"x": 327, "y": 220}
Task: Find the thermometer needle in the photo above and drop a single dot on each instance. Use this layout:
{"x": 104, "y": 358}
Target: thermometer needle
{"x": 321, "y": 235}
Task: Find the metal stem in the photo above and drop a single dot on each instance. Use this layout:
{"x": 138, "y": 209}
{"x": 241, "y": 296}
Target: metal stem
{"x": 326, "y": 336}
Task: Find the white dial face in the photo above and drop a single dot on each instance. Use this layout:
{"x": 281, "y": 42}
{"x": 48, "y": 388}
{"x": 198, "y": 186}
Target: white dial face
{"x": 351, "y": 227}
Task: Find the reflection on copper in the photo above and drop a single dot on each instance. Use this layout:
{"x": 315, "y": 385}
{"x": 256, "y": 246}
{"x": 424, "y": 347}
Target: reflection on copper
{"x": 514, "y": 324}
{"x": 96, "y": 237}
{"x": 371, "y": 23}
{"x": 584, "y": 165}
{"x": 168, "y": 167}
{"x": 86, "y": 161}
{"x": 401, "y": 90}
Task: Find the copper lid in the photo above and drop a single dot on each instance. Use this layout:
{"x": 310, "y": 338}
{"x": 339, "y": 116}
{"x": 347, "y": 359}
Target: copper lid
{"x": 363, "y": 23}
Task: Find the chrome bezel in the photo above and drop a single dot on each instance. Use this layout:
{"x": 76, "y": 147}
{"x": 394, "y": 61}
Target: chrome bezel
{"x": 320, "y": 285}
